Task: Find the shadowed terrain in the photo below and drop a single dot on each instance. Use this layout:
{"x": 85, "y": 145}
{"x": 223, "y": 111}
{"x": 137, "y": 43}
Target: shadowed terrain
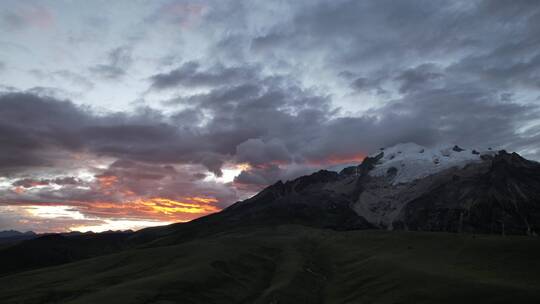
{"x": 55, "y": 249}
{"x": 296, "y": 264}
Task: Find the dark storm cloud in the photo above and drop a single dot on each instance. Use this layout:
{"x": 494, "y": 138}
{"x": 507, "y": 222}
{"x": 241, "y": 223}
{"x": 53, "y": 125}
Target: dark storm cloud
{"x": 61, "y": 181}
{"x": 365, "y": 84}
{"x": 257, "y": 178}
{"x": 190, "y": 74}
{"x": 267, "y": 115}
{"x": 288, "y": 124}
{"x": 492, "y": 40}
{"x": 418, "y": 78}
{"x": 31, "y": 125}
{"x": 125, "y": 189}
{"x": 260, "y": 177}
{"x": 145, "y": 180}
{"x": 258, "y": 152}
{"x": 465, "y": 72}
{"x": 38, "y": 129}
{"x": 464, "y": 114}
{"x": 449, "y": 115}
{"x": 268, "y": 41}
{"x": 516, "y": 68}
{"x": 352, "y": 32}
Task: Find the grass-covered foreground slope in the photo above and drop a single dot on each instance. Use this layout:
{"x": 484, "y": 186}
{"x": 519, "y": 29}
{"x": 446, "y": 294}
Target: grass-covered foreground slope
{"x": 295, "y": 264}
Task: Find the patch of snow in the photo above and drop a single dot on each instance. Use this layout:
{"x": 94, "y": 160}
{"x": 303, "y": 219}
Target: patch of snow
{"x": 412, "y": 161}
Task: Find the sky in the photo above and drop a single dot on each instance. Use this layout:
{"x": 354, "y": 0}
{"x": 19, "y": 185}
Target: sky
{"x": 127, "y": 114}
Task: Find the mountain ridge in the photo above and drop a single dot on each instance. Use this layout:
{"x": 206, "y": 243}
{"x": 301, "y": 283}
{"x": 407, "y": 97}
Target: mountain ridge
{"x": 473, "y": 196}
{"x": 325, "y": 199}
{"x": 14, "y": 233}
{"x": 499, "y": 194}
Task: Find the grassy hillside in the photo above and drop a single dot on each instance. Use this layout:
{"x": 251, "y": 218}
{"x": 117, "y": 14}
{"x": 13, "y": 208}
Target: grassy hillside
{"x": 56, "y": 249}
{"x": 295, "y": 264}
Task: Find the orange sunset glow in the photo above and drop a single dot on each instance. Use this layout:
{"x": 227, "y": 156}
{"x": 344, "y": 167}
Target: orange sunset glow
{"x": 198, "y": 205}
{"x": 101, "y": 216}
{"x": 338, "y": 159}
{"x": 135, "y": 198}
{"x": 106, "y": 181}
{"x": 156, "y": 208}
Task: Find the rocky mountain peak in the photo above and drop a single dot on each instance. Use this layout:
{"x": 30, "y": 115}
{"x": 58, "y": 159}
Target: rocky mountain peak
{"x": 444, "y": 188}
{"x": 408, "y": 161}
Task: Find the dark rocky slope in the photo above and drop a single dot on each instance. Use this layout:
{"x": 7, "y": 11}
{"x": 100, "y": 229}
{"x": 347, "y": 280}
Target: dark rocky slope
{"x": 500, "y": 195}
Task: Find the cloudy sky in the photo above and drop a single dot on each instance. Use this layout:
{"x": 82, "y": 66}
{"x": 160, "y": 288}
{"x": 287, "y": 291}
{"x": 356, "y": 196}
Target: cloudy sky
{"x": 126, "y": 114}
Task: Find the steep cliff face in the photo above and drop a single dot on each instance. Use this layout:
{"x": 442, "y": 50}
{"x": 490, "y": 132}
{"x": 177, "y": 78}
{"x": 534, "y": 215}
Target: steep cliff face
{"x": 322, "y": 199}
{"x": 499, "y": 195}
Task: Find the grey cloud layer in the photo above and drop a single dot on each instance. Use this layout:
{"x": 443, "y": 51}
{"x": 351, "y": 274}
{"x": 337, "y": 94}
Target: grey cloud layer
{"x": 116, "y": 65}
{"x": 191, "y": 75}
{"x": 270, "y": 88}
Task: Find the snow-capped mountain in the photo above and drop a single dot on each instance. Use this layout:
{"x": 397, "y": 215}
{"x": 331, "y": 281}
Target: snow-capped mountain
{"x": 444, "y": 188}
{"x": 403, "y": 172}
{"x": 410, "y": 161}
